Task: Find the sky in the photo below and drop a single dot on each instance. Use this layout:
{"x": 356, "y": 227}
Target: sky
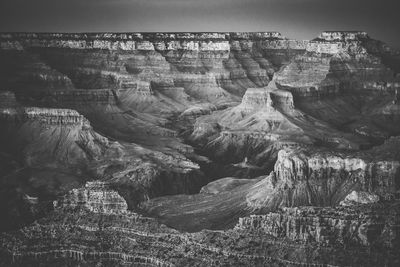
{"x": 298, "y": 19}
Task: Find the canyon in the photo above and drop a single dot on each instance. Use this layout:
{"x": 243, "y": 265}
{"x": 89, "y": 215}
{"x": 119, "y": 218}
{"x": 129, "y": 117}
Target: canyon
{"x": 177, "y": 149}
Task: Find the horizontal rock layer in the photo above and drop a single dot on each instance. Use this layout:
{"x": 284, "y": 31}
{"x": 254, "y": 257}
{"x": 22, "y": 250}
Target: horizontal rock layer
{"x": 143, "y": 41}
{"x": 45, "y": 115}
{"x": 96, "y": 197}
{"x": 365, "y": 226}
{"x": 282, "y": 238}
{"x": 323, "y": 178}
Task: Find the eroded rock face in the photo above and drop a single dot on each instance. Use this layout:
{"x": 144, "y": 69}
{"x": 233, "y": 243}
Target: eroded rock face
{"x": 295, "y": 165}
{"x": 256, "y": 98}
{"x": 281, "y": 238}
{"x": 214, "y": 68}
{"x": 96, "y": 197}
{"x": 372, "y": 226}
{"x": 131, "y": 41}
{"x": 45, "y": 134}
{"x": 333, "y": 63}
{"x": 323, "y": 178}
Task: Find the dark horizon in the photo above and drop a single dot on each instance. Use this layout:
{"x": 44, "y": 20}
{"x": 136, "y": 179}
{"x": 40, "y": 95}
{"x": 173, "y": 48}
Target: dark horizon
{"x": 294, "y": 19}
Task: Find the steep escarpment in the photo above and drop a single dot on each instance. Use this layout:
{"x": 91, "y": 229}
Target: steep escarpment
{"x": 152, "y": 76}
{"x": 104, "y": 110}
{"x": 95, "y": 197}
{"x": 211, "y": 67}
{"x": 368, "y": 227}
{"x": 334, "y": 63}
{"x": 327, "y": 226}
{"x": 342, "y": 79}
{"x": 47, "y": 135}
{"x": 307, "y": 177}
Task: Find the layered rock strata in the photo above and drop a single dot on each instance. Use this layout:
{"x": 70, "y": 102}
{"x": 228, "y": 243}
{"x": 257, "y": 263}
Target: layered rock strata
{"x": 323, "y": 179}
{"x": 76, "y": 236}
{"x": 372, "y": 226}
{"x": 335, "y": 63}
{"x": 60, "y": 134}
{"x": 96, "y": 197}
{"x": 212, "y": 67}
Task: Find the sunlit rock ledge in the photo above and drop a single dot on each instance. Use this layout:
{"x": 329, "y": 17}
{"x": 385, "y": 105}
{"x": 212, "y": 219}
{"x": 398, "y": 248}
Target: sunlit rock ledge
{"x": 45, "y": 115}
{"x": 144, "y": 41}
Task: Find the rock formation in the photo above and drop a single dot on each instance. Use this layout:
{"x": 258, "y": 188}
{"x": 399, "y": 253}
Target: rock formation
{"x": 110, "y": 236}
{"x": 334, "y": 63}
{"x": 95, "y": 197}
{"x": 324, "y": 179}
{"x": 367, "y": 225}
{"x": 178, "y": 149}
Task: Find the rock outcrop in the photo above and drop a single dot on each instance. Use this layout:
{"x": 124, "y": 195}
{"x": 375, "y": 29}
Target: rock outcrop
{"x": 335, "y": 63}
{"x": 302, "y": 177}
{"x": 282, "y": 238}
{"x": 46, "y": 135}
{"x": 372, "y": 226}
{"x": 96, "y": 197}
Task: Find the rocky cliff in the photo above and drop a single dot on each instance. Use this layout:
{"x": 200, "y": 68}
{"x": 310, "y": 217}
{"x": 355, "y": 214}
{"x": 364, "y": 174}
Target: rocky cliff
{"x": 47, "y": 135}
{"x": 356, "y": 225}
{"x": 223, "y": 63}
{"x": 335, "y": 63}
{"x": 96, "y": 197}
{"x": 306, "y": 177}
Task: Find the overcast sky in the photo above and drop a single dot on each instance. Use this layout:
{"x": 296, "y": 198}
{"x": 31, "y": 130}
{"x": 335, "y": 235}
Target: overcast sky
{"x": 300, "y": 19}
